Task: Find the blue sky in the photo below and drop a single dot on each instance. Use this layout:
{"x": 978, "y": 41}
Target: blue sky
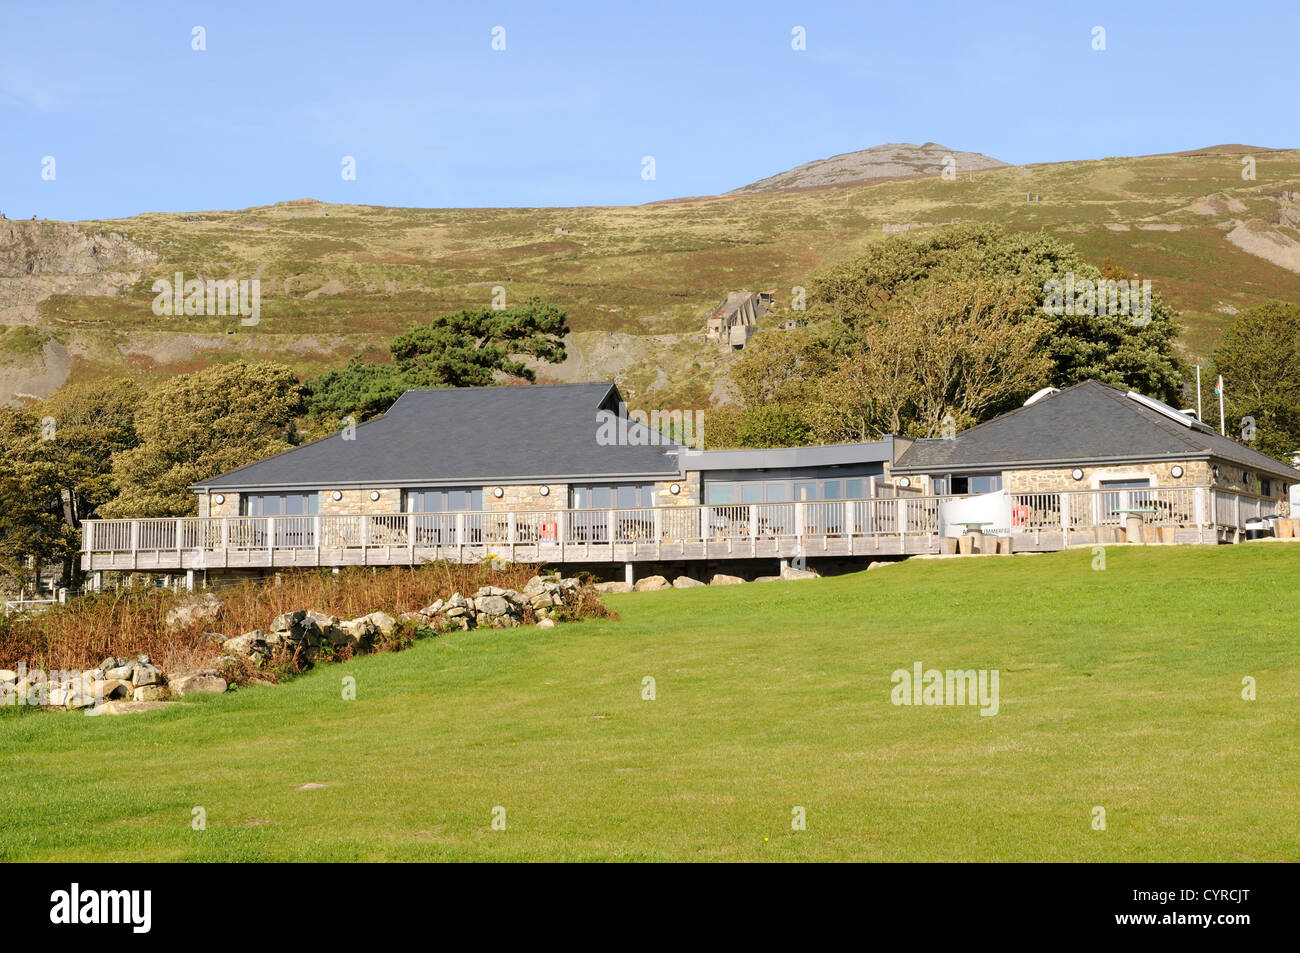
{"x": 136, "y": 120}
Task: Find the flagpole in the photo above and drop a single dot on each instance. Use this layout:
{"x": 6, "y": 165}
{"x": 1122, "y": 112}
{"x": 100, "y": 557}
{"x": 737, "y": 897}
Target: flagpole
{"x": 1223, "y": 425}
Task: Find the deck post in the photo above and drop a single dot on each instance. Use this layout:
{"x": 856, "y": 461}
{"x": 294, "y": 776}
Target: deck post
{"x": 1065, "y": 518}
{"x": 315, "y": 535}
{"x": 135, "y": 544}
{"x": 97, "y": 580}
{"x": 902, "y": 516}
{"x": 628, "y": 576}
{"x": 410, "y": 538}
{"x": 225, "y": 538}
{"x": 189, "y": 580}
{"x": 180, "y": 537}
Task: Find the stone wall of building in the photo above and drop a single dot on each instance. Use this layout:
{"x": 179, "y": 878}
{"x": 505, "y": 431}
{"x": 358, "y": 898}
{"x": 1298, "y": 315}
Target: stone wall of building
{"x": 208, "y": 505}
{"x": 1195, "y": 473}
{"x": 359, "y": 501}
{"x": 526, "y": 497}
{"x": 689, "y": 495}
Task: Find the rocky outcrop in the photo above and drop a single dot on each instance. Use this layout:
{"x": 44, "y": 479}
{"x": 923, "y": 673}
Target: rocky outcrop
{"x": 115, "y": 680}
{"x": 495, "y": 608}
{"x": 136, "y": 684}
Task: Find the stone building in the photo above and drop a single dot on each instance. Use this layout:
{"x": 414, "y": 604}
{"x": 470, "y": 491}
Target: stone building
{"x": 569, "y": 446}
{"x": 1091, "y": 437}
{"x": 736, "y": 318}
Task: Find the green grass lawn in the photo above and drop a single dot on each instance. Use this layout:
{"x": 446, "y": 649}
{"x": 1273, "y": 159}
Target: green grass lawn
{"x": 1119, "y": 688}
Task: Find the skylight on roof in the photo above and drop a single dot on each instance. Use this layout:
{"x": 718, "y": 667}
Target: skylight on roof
{"x": 1172, "y": 413}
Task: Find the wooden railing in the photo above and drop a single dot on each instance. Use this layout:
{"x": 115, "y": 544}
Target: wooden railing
{"x": 906, "y": 516}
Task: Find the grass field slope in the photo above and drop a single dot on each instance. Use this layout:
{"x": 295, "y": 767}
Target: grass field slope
{"x": 1120, "y": 688}
{"x": 638, "y": 282}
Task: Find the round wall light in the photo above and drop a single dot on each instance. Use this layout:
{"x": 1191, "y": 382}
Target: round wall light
{"x": 905, "y": 482}
{"x": 675, "y": 488}
{"x": 218, "y": 499}
{"x": 336, "y": 495}
{"x": 1076, "y": 473}
{"x": 374, "y": 494}
{"x": 498, "y": 493}
{"x": 1176, "y": 472}
{"x": 544, "y": 491}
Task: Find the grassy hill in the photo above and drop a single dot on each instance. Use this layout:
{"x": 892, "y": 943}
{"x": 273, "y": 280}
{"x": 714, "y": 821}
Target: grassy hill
{"x": 338, "y": 280}
{"x": 1118, "y": 688}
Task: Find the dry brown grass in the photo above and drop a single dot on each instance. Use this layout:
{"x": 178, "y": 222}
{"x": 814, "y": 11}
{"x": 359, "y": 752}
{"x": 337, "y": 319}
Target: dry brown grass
{"x": 129, "y": 622}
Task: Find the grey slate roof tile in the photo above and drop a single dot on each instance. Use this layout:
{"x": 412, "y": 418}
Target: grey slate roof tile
{"x": 472, "y": 435}
{"x": 1087, "y": 423}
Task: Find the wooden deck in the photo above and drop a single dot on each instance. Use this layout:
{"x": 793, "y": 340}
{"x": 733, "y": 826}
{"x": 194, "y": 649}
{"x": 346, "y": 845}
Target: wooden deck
{"x": 904, "y": 526}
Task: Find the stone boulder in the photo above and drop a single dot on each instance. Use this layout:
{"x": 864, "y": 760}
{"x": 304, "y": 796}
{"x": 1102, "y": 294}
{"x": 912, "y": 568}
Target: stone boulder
{"x": 149, "y": 693}
{"x": 722, "y": 579}
{"x": 197, "y": 683}
{"x": 686, "y": 582}
{"x": 194, "y": 610}
{"x": 613, "y": 587}
{"x": 791, "y": 573}
{"x": 247, "y": 645}
{"x": 381, "y": 622}
{"x": 145, "y": 673}
{"x": 652, "y": 584}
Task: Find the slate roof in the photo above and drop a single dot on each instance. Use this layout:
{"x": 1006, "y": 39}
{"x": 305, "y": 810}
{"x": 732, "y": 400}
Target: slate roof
{"x": 465, "y": 435}
{"x": 1086, "y": 424}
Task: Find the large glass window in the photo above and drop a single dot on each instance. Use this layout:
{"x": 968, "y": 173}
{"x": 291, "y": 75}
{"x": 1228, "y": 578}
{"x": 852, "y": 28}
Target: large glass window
{"x": 973, "y": 483}
{"x": 278, "y": 504}
{"x": 617, "y": 495}
{"x": 450, "y": 500}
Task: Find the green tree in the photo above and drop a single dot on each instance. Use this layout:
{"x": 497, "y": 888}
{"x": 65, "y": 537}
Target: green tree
{"x": 196, "y": 425}
{"x": 1114, "y": 348}
{"x": 1259, "y": 358}
{"x": 467, "y": 348}
{"x": 60, "y": 453}
{"x": 30, "y": 527}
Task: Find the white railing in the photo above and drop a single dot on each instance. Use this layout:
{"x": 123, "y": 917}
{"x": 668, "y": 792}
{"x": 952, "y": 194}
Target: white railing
{"x": 908, "y": 515}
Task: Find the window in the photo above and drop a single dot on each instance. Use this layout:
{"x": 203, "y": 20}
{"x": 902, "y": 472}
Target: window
{"x": 443, "y": 501}
{"x": 278, "y": 504}
{"x": 972, "y": 483}
{"x": 1265, "y": 487}
{"x": 720, "y": 494}
{"x": 608, "y": 496}
{"x": 1124, "y": 495}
